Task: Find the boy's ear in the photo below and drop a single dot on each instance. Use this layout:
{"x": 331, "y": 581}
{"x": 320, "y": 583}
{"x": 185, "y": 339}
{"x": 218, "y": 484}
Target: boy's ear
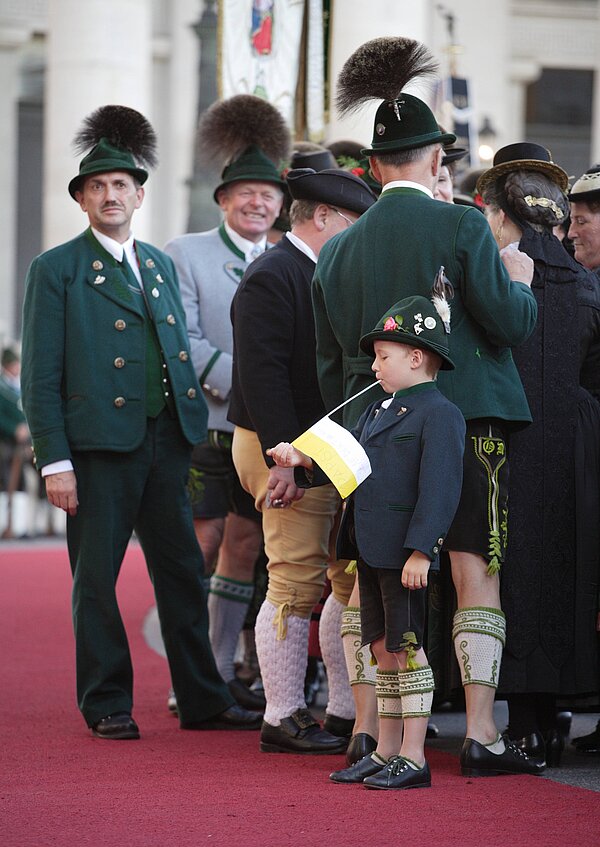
{"x": 416, "y": 357}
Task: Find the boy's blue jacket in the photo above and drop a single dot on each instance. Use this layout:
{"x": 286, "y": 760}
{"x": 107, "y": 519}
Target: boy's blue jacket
{"x": 415, "y": 447}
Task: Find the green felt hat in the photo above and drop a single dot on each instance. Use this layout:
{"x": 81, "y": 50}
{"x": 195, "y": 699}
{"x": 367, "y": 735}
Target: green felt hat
{"x": 104, "y": 158}
{"x": 252, "y": 165}
{"x": 405, "y": 123}
{"x": 414, "y": 321}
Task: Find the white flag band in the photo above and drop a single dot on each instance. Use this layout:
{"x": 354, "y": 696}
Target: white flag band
{"x": 337, "y": 452}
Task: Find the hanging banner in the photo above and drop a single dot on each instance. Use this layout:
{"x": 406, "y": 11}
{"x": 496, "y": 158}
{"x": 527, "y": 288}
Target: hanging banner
{"x": 259, "y": 50}
{"x": 456, "y": 115}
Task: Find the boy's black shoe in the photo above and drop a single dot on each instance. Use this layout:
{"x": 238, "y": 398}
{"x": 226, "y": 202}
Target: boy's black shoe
{"x": 398, "y": 774}
{"x": 358, "y": 771}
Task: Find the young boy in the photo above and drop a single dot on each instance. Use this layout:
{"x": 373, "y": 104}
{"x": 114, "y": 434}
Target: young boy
{"x": 394, "y": 525}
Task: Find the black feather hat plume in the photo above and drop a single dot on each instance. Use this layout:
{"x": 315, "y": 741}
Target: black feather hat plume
{"x": 122, "y": 127}
{"x": 380, "y": 69}
{"x": 230, "y": 126}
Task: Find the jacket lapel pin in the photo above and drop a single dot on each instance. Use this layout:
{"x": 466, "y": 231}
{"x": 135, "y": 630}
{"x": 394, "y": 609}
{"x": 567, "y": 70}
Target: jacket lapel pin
{"x": 401, "y": 411}
{"x": 99, "y": 280}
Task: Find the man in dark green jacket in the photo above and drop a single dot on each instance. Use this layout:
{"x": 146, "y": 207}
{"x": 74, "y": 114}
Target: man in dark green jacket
{"x": 114, "y": 405}
{"x": 391, "y": 253}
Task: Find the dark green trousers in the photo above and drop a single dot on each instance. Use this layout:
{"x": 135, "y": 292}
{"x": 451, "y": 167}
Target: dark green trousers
{"x": 145, "y": 491}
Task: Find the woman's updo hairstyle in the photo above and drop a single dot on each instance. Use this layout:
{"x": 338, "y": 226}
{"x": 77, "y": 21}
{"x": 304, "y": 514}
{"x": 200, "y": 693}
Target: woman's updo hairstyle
{"x": 529, "y": 197}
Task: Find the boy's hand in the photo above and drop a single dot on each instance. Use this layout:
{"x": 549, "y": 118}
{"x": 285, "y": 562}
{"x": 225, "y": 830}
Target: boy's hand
{"x": 287, "y": 456}
{"x": 416, "y": 568}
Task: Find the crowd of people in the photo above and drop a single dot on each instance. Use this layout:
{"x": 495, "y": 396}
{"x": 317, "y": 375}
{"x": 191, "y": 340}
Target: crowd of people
{"x": 163, "y": 391}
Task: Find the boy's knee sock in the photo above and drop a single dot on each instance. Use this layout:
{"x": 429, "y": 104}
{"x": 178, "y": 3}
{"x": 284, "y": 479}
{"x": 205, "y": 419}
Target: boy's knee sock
{"x": 479, "y": 634}
{"x": 416, "y": 692}
{"x": 340, "y": 701}
{"x": 228, "y": 602}
{"x": 387, "y": 689}
{"x": 358, "y": 659}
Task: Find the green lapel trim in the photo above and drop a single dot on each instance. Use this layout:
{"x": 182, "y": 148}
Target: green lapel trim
{"x": 97, "y": 246}
{"x": 229, "y": 243}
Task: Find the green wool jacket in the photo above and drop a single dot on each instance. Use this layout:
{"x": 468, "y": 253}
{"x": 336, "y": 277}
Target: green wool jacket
{"x": 395, "y": 250}
{"x": 84, "y": 349}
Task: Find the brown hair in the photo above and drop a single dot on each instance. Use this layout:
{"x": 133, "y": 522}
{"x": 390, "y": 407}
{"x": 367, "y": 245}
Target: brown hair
{"x": 530, "y": 196}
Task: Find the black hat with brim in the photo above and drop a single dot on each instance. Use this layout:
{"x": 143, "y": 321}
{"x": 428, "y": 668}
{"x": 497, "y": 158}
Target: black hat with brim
{"x": 413, "y": 321}
{"x": 333, "y": 186}
{"x": 405, "y": 124}
{"x": 523, "y": 156}
{"x": 587, "y": 187}
{"x": 105, "y": 158}
{"x": 250, "y": 166}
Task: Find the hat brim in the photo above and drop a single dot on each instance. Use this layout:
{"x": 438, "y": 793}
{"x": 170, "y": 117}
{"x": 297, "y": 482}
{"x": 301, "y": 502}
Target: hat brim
{"x": 410, "y": 143}
{"x": 585, "y": 196}
{"x": 76, "y": 183}
{"x": 454, "y": 155}
{"x": 555, "y": 172}
{"x": 367, "y": 343}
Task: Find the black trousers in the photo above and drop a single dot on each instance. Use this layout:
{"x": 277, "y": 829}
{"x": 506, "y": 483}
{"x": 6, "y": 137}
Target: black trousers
{"x": 145, "y": 491}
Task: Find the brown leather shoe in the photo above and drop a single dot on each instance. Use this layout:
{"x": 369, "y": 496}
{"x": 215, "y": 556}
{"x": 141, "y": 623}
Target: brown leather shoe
{"x": 300, "y": 733}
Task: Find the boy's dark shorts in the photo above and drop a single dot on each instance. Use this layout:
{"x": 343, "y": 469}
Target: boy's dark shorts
{"x": 480, "y": 523}
{"x": 388, "y": 609}
{"x": 214, "y": 487}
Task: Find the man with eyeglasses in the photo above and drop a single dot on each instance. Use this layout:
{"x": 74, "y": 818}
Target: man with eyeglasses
{"x": 275, "y": 396}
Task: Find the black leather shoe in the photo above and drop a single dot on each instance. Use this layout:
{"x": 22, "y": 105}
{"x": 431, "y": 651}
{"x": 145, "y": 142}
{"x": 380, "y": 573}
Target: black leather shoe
{"x": 564, "y": 720}
{"x": 358, "y": 771}
{"x": 300, "y": 733}
{"x": 342, "y": 727}
{"x": 533, "y": 745}
{"x": 235, "y": 717}
{"x": 360, "y": 746}
{"x": 588, "y": 744}
{"x": 477, "y": 760}
{"x": 246, "y": 698}
{"x": 398, "y": 774}
{"x": 118, "y": 727}
{"x": 432, "y": 730}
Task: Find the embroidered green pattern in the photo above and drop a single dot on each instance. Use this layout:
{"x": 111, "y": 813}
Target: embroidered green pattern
{"x": 195, "y": 486}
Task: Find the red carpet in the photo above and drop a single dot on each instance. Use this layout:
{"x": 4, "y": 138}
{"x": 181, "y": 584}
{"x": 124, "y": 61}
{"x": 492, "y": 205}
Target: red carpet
{"x": 59, "y": 786}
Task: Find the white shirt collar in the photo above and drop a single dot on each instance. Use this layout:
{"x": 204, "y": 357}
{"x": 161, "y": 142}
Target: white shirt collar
{"x": 302, "y": 245}
{"x": 407, "y": 183}
{"x": 247, "y": 247}
{"x": 118, "y": 250}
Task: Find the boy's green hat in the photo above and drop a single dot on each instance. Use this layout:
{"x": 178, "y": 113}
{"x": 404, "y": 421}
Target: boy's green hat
{"x": 414, "y": 321}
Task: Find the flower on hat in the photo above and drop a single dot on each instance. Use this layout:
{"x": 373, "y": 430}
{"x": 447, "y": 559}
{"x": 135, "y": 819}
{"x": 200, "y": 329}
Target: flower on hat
{"x": 390, "y": 325}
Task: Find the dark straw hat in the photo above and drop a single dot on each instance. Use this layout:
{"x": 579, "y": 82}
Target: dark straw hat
{"x": 587, "y": 186}
{"x": 333, "y": 186}
{"x": 414, "y": 321}
{"x": 523, "y": 156}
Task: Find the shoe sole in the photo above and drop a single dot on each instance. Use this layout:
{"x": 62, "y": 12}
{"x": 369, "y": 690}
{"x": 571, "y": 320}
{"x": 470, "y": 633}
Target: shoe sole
{"x": 398, "y": 788}
{"x": 276, "y": 748}
{"x": 125, "y": 736}
{"x": 485, "y": 772}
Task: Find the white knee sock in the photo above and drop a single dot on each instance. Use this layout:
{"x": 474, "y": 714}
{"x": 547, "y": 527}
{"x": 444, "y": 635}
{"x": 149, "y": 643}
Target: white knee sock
{"x": 479, "y": 634}
{"x": 228, "y": 602}
{"x": 387, "y": 688}
{"x": 358, "y": 659}
{"x": 340, "y": 702}
{"x": 416, "y": 692}
{"x": 282, "y": 662}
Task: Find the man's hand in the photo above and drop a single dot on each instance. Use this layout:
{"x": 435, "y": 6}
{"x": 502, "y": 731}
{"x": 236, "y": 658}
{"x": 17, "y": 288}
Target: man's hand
{"x": 519, "y": 265}
{"x": 61, "y": 491}
{"x": 282, "y": 489}
{"x": 416, "y": 568}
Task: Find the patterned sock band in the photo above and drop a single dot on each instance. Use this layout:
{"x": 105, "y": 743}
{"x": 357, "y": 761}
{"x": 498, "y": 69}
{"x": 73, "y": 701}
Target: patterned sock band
{"x": 358, "y": 659}
{"x": 387, "y": 691}
{"x": 416, "y": 691}
{"x": 479, "y": 634}
{"x": 231, "y": 589}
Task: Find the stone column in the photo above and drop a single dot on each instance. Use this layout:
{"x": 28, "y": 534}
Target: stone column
{"x": 99, "y": 53}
